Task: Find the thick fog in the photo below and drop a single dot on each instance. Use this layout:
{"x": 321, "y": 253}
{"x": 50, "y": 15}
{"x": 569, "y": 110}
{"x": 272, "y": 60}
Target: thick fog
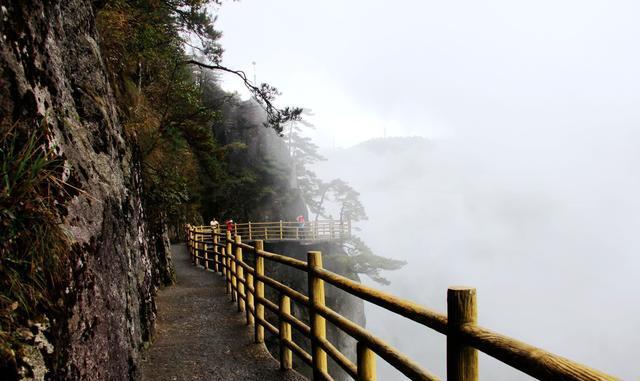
{"x": 527, "y": 183}
{"x": 548, "y": 233}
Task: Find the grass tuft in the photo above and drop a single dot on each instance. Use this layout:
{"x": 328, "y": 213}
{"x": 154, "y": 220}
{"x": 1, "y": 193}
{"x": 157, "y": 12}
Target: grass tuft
{"x": 33, "y": 245}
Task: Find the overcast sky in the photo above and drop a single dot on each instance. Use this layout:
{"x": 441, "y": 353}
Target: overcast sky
{"x": 443, "y": 68}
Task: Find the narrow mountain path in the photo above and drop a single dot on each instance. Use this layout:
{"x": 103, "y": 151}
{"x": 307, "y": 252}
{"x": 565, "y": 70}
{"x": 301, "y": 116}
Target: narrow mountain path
{"x": 201, "y": 336}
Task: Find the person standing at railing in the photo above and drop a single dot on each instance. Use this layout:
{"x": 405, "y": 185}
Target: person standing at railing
{"x": 214, "y": 224}
{"x": 301, "y": 222}
{"x": 230, "y": 225}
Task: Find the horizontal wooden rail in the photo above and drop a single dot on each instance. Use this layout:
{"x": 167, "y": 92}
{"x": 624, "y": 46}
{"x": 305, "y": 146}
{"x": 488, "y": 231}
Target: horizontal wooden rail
{"x": 393, "y": 356}
{"x": 339, "y": 358}
{"x": 245, "y": 284}
{"x": 403, "y": 307}
{"x": 320, "y": 230}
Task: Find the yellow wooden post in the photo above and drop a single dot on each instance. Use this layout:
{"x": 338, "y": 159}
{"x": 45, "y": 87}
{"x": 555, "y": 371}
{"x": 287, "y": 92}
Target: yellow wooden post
{"x": 198, "y": 247}
{"x": 218, "y": 241}
{"x": 258, "y": 286}
{"x": 223, "y": 265}
{"x": 281, "y": 231}
{"x": 250, "y": 300}
{"x": 318, "y": 324}
{"x": 366, "y": 363}
{"x": 228, "y": 251}
{"x": 286, "y": 356}
{"x": 195, "y": 245}
{"x": 201, "y": 262}
{"x": 190, "y": 243}
{"x": 250, "y": 231}
{"x": 206, "y": 258}
{"x": 239, "y": 274}
{"x": 216, "y": 250}
{"x": 201, "y": 249}
{"x": 462, "y": 360}
{"x": 234, "y": 273}
{"x": 193, "y": 242}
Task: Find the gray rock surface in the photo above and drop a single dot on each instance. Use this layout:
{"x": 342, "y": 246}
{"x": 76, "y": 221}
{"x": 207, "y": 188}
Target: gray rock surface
{"x": 52, "y": 78}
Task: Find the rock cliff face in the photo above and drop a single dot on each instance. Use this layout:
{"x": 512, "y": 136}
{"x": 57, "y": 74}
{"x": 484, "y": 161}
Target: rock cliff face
{"x": 52, "y": 78}
{"x": 336, "y": 299}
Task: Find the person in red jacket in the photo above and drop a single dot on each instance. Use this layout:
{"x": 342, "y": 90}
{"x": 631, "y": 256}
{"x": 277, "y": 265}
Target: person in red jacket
{"x": 229, "y": 223}
{"x": 300, "y": 220}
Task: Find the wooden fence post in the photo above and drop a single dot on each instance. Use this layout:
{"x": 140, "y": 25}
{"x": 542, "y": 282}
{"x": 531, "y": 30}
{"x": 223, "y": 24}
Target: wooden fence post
{"x": 197, "y": 253}
{"x": 258, "y": 286}
{"x": 239, "y": 274}
{"x": 318, "y": 323}
{"x": 195, "y": 248}
{"x": 190, "y": 242}
{"x": 223, "y": 265}
{"x": 191, "y": 239}
{"x": 286, "y": 356}
{"x": 366, "y": 363}
{"x": 206, "y": 257}
{"x": 266, "y": 233}
{"x": 229, "y": 266}
{"x": 462, "y": 360}
{"x": 250, "y": 300}
{"x": 201, "y": 248}
{"x": 234, "y": 273}
{"x": 216, "y": 250}
{"x": 281, "y": 231}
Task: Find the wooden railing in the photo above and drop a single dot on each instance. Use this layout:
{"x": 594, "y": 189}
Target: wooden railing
{"x": 286, "y": 230}
{"x": 226, "y": 254}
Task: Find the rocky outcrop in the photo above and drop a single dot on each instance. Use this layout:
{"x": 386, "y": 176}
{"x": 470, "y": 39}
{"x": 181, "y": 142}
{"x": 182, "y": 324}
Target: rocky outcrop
{"x": 52, "y": 78}
{"x": 345, "y": 304}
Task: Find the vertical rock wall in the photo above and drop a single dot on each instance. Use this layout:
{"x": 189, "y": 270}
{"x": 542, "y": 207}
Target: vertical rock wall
{"x": 52, "y": 78}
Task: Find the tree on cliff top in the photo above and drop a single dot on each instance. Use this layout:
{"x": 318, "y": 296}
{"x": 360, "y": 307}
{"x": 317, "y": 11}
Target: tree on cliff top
{"x": 165, "y": 100}
{"x": 342, "y": 198}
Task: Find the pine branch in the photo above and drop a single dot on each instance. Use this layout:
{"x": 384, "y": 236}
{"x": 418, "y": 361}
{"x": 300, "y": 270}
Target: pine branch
{"x": 264, "y": 95}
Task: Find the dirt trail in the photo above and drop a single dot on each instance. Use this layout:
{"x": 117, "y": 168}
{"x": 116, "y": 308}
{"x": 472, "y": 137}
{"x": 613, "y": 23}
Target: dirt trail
{"x": 201, "y": 336}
